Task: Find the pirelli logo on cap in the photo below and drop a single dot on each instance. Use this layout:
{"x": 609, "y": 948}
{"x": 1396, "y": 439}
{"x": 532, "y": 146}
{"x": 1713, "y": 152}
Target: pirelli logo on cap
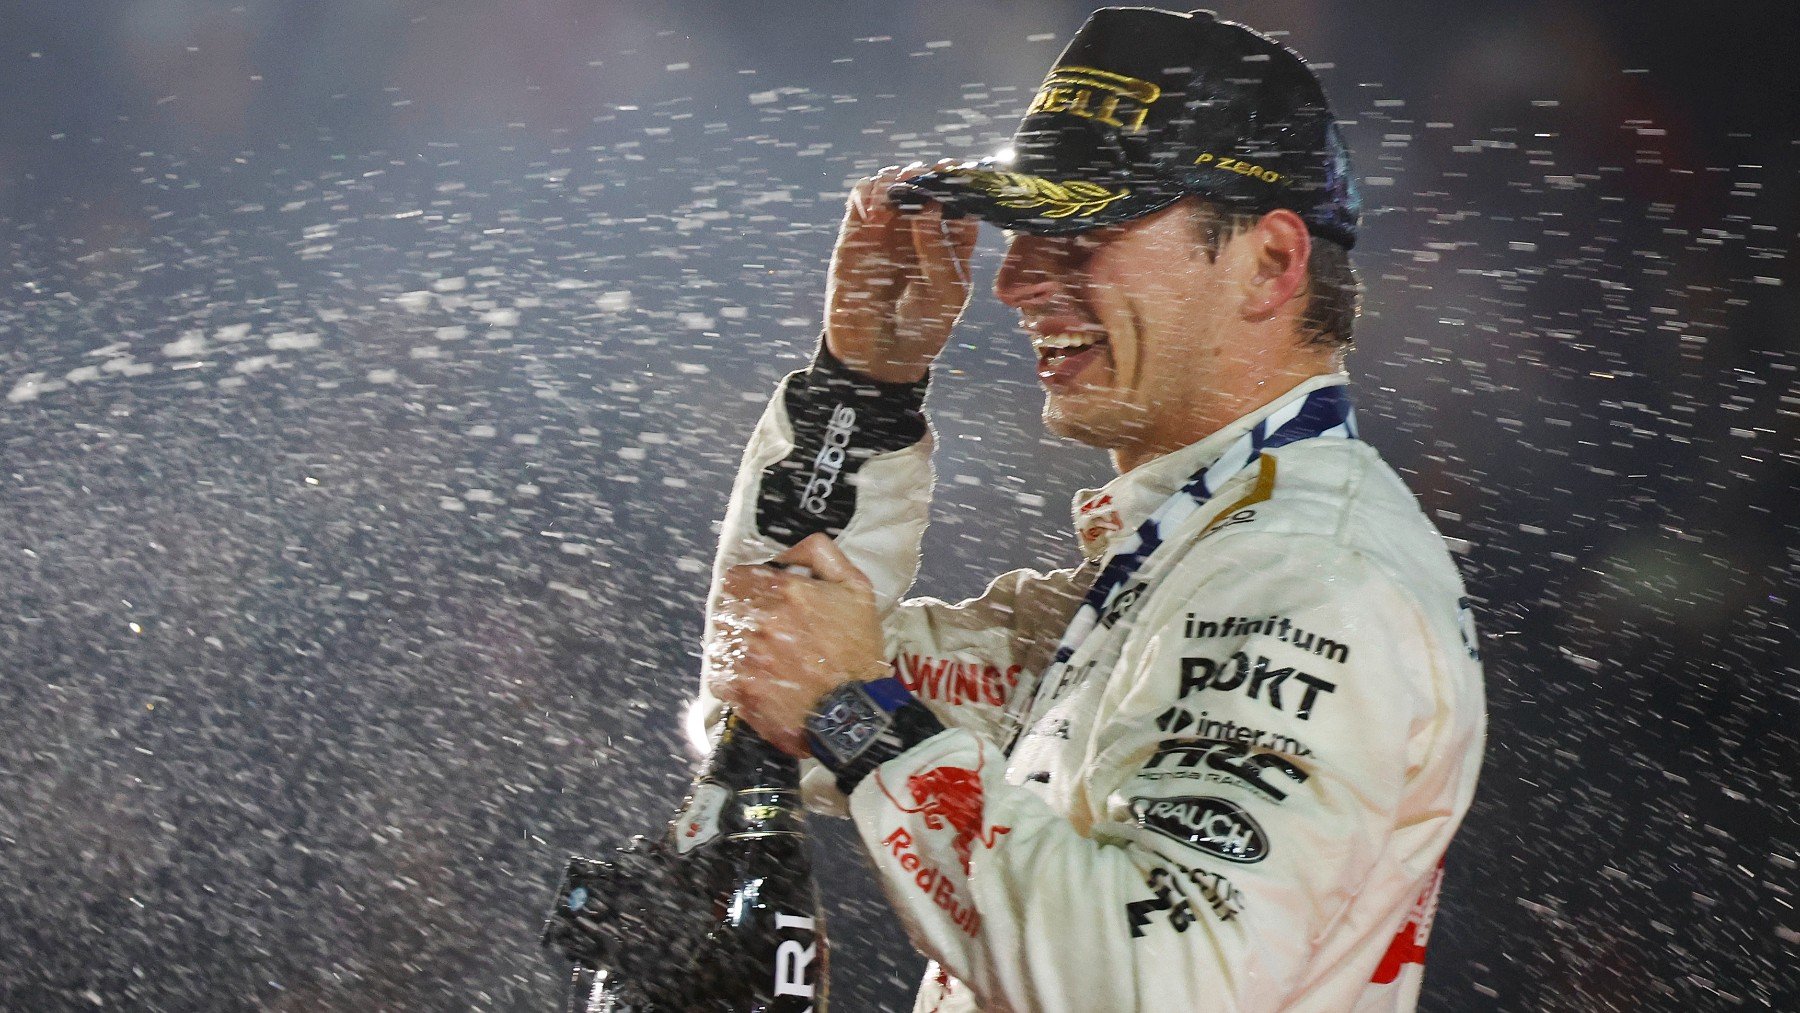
{"x": 1099, "y": 95}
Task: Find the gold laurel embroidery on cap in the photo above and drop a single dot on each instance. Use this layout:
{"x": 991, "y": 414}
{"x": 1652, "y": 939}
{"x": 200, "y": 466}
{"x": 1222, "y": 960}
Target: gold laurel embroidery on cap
{"x": 1099, "y": 95}
{"x": 1077, "y": 198}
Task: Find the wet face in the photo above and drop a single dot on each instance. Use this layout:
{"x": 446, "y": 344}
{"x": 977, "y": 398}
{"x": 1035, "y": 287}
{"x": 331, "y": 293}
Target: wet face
{"x": 1130, "y": 325}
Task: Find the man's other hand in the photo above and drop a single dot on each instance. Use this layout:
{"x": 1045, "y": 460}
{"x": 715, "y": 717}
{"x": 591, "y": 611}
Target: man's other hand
{"x": 783, "y": 638}
{"x": 899, "y": 279}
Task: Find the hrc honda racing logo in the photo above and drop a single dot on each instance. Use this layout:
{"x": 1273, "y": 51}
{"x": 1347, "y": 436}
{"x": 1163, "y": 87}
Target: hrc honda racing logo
{"x": 1223, "y": 761}
{"x": 828, "y": 463}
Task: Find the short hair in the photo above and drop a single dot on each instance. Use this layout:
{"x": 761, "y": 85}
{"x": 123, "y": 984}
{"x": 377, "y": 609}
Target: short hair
{"x": 1333, "y": 291}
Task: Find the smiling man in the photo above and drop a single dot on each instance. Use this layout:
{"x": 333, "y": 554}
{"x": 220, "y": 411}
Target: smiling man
{"x": 1216, "y": 764}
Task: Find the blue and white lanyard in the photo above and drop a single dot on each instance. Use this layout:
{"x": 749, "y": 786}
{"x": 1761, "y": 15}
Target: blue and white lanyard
{"x": 1325, "y": 412}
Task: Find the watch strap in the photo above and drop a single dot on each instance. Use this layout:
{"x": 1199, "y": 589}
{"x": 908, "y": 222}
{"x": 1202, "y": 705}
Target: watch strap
{"x": 861, "y": 725}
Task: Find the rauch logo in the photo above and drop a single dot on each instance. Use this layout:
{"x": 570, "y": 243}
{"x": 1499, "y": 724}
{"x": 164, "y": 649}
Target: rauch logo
{"x": 1212, "y": 825}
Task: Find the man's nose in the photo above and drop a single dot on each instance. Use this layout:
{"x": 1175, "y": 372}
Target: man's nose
{"x": 1028, "y": 275}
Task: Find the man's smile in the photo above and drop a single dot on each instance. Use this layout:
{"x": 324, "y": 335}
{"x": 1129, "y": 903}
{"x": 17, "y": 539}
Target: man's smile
{"x": 1065, "y": 347}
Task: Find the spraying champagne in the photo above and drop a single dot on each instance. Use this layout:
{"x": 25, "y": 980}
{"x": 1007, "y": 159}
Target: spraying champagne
{"x": 722, "y": 914}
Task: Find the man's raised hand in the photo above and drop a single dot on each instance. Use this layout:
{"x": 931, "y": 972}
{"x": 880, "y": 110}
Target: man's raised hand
{"x": 899, "y": 279}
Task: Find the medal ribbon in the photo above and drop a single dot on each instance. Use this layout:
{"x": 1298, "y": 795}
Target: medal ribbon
{"x": 1325, "y": 412}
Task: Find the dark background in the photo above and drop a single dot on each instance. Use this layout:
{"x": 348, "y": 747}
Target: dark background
{"x": 374, "y": 373}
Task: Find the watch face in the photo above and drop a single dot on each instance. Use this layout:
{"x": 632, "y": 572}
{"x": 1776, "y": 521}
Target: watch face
{"x": 847, "y": 723}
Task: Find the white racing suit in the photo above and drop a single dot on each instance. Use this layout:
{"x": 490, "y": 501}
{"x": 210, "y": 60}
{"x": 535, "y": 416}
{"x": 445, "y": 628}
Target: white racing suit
{"x": 1238, "y": 791}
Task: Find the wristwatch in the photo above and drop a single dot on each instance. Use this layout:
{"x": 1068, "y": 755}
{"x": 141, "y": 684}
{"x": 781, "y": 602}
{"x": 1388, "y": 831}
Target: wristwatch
{"x": 860, "y": 725}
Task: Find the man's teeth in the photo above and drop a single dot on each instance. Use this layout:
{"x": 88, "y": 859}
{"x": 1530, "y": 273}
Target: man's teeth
{"x": 1067, "y": 339}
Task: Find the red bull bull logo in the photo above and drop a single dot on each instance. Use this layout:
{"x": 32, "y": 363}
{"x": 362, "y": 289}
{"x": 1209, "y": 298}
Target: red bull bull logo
{"x": 950, "y": 797}
{"x": 945, "y": 797}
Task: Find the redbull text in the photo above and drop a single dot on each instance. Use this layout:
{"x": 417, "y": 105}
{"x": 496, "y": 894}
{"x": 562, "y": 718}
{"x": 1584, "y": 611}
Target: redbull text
{"x": 933, "y": 883}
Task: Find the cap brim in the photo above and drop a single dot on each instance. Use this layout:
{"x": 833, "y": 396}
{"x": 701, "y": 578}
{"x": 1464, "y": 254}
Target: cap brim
{"x": 1036, "y": 204}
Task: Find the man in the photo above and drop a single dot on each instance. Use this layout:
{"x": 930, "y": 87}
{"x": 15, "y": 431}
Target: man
{"x": 1217, "y": 764}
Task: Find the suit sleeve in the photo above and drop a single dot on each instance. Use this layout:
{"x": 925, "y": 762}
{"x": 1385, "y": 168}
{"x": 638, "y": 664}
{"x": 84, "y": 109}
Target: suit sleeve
{"x": 840, "y": 453}
{"x": 837, "y": 452}
{"x": 968, "y": 661}
{"x": 1239, "y": 789}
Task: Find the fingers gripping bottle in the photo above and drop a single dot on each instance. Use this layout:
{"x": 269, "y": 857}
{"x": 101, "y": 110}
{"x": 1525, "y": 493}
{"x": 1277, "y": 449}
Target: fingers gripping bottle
{"x": 721, "y": 915}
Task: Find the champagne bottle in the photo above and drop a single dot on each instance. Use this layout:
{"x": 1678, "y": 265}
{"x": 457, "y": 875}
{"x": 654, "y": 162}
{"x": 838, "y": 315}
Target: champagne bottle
{"x": 721, "y": 915}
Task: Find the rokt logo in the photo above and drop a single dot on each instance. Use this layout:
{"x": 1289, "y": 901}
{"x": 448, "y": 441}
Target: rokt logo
{"x": 1239, "y": 672}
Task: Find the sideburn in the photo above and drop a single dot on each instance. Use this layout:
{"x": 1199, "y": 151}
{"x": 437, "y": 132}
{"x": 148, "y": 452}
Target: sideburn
{"x": 1138, "y": 332}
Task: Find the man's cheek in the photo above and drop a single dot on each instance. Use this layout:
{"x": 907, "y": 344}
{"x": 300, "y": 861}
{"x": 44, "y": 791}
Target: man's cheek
{"x": 1127, "y": 349}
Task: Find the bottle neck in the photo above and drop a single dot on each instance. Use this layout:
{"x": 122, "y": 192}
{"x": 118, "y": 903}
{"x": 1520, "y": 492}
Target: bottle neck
{"x": 757, "y": 787}
{"x": 742, "y": 759}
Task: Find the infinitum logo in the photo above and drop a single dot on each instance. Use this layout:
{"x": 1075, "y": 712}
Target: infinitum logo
{"x": 1277, "y": 627}
{"x": 828, "y": 464}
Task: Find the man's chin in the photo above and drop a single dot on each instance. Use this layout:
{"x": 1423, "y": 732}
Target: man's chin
{"x": 1086, "y": 417}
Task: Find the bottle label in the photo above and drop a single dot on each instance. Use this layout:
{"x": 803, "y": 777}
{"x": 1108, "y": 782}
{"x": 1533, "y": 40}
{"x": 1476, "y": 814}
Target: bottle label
{"x": 794, "y": 972}
{"x": 768, "y": 812}
{"x": 698, "y": 822}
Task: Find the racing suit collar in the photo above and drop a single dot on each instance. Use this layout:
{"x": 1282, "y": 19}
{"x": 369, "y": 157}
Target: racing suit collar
{"x": 1113, "y": 511}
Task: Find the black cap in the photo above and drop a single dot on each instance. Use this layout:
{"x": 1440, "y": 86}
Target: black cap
{"x": 1147, "y": 106}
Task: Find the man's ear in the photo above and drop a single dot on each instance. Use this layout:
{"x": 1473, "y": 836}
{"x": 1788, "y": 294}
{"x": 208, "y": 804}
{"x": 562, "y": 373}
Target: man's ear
{"x": 1281, "y": 246}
